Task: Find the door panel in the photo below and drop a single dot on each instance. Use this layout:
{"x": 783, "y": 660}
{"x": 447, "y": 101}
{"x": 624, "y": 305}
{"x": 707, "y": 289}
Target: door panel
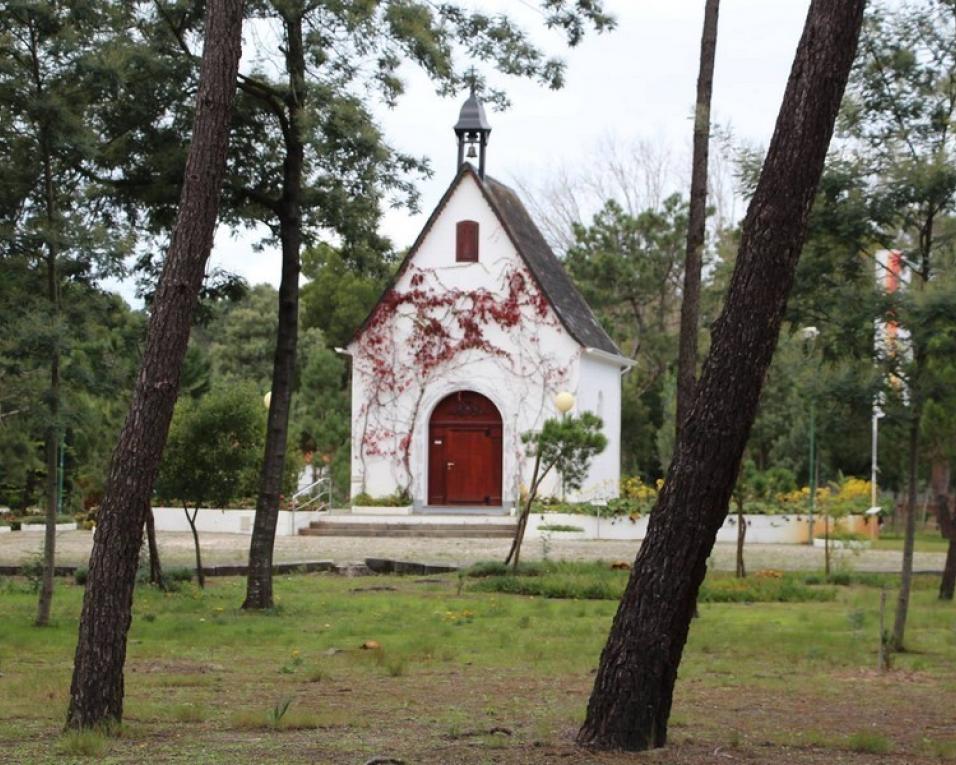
{"x": 469, "y": 466}
{"x": 436, "y": 466}
{"x": 464, "y": 451}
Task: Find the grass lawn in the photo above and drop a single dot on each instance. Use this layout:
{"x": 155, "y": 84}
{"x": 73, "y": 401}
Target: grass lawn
{"x": 926, "y": 541}
{"x": 465, "y": 675}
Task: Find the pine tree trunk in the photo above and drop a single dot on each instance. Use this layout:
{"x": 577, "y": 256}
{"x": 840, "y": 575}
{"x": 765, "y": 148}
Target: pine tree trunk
{"x": 155, "y": 565}
{"x": 259, "y": 581}
{"x": 909, "y": 536}
{"x": 631, "y": 700}
{"x": 45, "y": 601}
{"x": 697, "y": 221}
{"x": 96, "y": 693}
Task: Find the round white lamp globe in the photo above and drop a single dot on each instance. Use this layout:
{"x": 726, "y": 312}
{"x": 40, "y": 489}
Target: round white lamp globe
{"x": 267, "y": 399}
{"x": 564, "y": 402}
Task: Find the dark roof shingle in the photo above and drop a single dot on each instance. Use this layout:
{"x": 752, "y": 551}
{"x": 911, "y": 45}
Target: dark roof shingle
{"x": 567, "y": 301}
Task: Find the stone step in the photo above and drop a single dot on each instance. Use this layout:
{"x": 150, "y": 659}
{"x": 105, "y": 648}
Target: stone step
{"x": 439, "y": 530}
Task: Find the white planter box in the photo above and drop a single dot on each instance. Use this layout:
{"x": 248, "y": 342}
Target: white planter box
{"x": 761, "y": 529}
{"x": 4, "y": 529}
{"x": 381, "y": 510}
{"x": 42, "y": 527}
{"x": 239, "y": 521}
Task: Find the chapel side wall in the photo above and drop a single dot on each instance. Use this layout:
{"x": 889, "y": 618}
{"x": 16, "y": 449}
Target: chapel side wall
{"x": 538, "y": 359}
{"x": 597, "y": 389}
{"x": 599, "y": 392}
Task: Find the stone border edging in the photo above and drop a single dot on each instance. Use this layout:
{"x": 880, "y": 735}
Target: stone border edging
{"x": 308, "y": 567}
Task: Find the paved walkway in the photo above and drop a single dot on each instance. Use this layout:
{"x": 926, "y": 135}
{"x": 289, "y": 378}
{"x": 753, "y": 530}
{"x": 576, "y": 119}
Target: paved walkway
{"x": 176, "y": 549}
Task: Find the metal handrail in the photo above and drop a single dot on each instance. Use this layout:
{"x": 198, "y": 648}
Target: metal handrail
{"x": 320, "y": 493}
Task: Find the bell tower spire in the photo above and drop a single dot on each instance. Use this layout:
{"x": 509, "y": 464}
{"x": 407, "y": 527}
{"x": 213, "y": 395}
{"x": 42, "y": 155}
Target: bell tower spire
{"x": 472, "y": 130}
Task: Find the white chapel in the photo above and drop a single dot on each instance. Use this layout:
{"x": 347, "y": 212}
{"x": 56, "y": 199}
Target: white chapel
{"x": 466, "y": 350}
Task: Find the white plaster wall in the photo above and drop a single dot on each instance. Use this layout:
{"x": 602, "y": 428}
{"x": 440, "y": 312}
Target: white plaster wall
{"x": 212, "y": 520}
{"x": 598, "y": 390}
{"x": 515, "y": 384}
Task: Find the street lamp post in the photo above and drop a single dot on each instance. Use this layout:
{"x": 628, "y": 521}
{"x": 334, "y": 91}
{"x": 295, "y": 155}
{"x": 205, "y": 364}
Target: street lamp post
{"x": 564, "y": 403}
{"x": 810, "y": 335}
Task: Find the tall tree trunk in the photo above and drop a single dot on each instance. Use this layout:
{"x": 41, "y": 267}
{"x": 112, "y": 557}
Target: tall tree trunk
{"x": 259, "y": 581}
{"x": 45, "y": 601}
{"x": 155, "y": 565}
{"x": 696, "y": 224}
{"x": 631, "y": 700}
{"x": 920, "y": 278}
{"x": 909, "y": 536}
{"x": 96, "y": 694}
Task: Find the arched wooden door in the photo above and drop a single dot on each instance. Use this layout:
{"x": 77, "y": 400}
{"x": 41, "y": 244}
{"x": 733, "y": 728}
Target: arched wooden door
{"x": 464, "y": 451}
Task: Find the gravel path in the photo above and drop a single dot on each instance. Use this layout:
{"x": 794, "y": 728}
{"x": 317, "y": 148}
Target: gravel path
{"x": 176, "y": 549}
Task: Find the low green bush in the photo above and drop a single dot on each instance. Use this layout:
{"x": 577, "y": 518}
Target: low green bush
{"x": 80, "y": 575}
{"x": 598, "y": 581}
{"x": 613, "y": 508}
{"x": 487, "y": 568}
{"x": 755, "y": 589}
{"x": 179, "y": 574}
{"x": 553, "y": 586}
{"x": 392, "y": 500}
{"x": 841, "y": 535}
{"x": 559, "y": 527}
{"x": 42, "y": 519}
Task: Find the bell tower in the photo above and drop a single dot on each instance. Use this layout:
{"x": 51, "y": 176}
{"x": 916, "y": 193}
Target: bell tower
{"x": 472, "y": 130}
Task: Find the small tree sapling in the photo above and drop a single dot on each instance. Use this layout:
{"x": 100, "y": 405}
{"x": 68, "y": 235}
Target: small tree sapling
{"x": 212, "y": 454}
{"x": 567, "y": 445}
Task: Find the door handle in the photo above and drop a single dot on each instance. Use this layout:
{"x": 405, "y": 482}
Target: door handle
{"x": 450, "y": 465}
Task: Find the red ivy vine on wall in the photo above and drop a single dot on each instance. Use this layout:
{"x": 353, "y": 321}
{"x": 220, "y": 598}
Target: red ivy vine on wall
{"x": 414, "y": 336}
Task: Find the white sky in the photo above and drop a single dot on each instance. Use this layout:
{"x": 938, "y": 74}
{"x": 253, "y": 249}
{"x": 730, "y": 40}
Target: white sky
{"x": 639, "y": 81}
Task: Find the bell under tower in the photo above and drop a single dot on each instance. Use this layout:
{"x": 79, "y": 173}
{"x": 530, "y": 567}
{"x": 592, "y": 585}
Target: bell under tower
{"x": 472, "y": 130}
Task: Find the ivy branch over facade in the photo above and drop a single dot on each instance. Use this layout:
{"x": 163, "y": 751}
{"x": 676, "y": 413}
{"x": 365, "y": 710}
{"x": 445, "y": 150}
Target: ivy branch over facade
{"x": 416, "y": 337}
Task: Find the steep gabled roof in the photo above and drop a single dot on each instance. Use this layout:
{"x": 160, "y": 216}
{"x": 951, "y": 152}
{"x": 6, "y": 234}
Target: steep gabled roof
{"x": 568, "y": 303}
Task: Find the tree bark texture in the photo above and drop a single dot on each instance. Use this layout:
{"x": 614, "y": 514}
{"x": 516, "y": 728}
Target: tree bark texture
{"x": 155, "y": 565}
{"x": 96, "y": 694}
{"x": 697, "y": 221}
{"x": 633, "y": 689}
{"x": 259, "y": 581}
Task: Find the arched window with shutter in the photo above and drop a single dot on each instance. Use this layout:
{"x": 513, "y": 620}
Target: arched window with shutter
{"x": 466, "y": 241}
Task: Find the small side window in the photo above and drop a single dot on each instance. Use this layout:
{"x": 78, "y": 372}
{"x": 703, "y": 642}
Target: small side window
{"x": 466, "y": 242}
